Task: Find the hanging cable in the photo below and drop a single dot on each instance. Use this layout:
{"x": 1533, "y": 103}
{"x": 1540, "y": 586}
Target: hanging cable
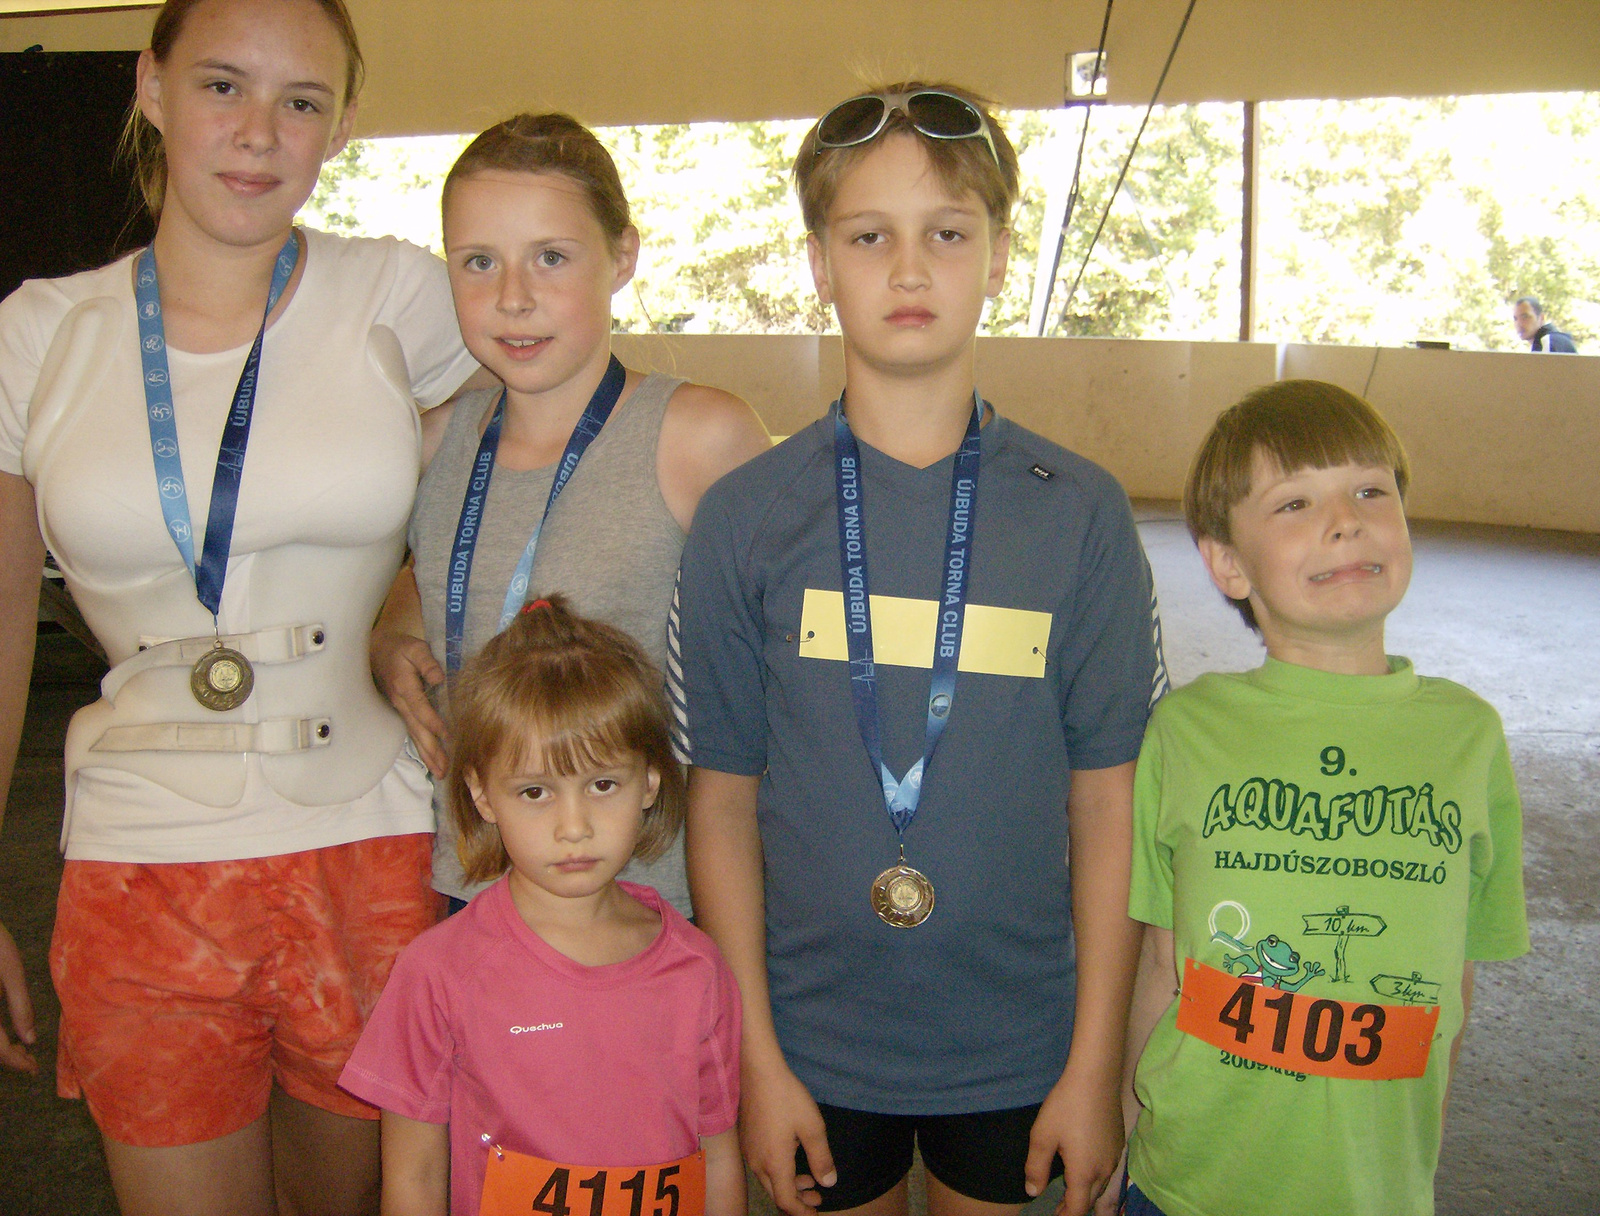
{"x": 1177, "y": 41}
{"x": 1155, "y": 250}
{"x": 1077, "y": 167}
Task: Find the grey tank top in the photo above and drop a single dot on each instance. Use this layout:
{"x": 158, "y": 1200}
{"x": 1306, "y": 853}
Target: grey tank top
{"x": 610, "y": 546}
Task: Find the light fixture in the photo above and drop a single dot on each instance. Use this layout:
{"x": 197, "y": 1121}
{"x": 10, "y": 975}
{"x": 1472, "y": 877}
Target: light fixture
{"x": 1082, "y": 78}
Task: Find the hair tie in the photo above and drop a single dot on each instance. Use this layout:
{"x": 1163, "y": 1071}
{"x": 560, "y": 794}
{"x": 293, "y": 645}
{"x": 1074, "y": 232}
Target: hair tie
{"x": 529, "y": 607}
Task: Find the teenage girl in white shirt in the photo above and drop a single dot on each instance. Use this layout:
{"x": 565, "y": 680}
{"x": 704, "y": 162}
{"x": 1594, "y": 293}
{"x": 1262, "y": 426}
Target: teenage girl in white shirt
{"x": 239, "y": 874}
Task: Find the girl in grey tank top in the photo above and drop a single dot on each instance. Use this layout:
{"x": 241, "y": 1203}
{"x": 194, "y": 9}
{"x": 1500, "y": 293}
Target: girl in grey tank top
{"x": 538, "y": 239}
{"x": 610, "y": 546}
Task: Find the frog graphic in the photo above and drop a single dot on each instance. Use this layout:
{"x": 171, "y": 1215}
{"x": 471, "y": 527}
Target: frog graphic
{"x": 1271, "y": 965}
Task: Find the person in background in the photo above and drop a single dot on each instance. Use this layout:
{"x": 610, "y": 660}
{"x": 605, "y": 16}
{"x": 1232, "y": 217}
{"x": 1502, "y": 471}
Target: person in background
{"x": 1540, "y": 335}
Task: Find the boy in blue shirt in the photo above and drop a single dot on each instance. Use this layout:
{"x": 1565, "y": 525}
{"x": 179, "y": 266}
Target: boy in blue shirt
{"x": 1321, "y": 847}
{"x": 918, "y": 655}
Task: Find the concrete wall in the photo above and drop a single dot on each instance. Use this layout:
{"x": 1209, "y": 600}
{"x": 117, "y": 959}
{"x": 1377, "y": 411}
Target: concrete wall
{"x": 1494, "y": 438}
{"x": 458, "y": 65}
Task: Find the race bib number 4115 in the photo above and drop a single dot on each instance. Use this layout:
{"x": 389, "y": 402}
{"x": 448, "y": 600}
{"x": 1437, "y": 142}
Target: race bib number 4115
{"x": 1299, "y": 1033}
{"x": 516, "y": 1184}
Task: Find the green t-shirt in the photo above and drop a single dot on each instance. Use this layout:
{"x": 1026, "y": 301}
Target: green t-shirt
{"x": 1327, "y": 850}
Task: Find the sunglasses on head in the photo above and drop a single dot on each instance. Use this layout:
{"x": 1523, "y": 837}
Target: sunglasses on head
{"x": 933, "y": 112}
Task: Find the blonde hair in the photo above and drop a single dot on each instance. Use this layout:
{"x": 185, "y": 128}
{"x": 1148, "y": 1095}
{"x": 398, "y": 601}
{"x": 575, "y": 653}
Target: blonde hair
{"x": 141, "y": 142}
{"x": 1294, "y": 424}
{"x": 579, "y": 690}
{"x": 958, "y": 164}
{"x": 549, "y": 143}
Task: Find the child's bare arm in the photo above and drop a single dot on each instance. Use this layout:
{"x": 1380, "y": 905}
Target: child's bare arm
{"x": 416, "y": 1167}
{"x": 1467, "y": 980}
{"x": 1081, "y": 1118}
{"x": 1153, "y": 989}
{"x": 726, "y": 878}
{"x": 21, "y": 561}
{"x": 724, "y": 1174}
{"x": 706, "y": 433}
{"x": 14, "y": 991}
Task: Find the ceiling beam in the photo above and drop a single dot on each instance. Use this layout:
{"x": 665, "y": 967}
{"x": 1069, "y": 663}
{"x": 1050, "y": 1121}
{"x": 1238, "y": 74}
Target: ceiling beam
{"x": 458, "y": 65}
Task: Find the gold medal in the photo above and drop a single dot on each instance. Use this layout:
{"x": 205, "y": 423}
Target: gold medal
{"x": 902, "y": 897}
{"x": 222, "y": 679}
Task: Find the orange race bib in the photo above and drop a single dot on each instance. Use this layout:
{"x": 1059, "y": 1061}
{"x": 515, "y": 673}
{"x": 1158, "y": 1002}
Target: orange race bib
{"x": 518, "y": 1185}
{"x": 1298, "y": 1033}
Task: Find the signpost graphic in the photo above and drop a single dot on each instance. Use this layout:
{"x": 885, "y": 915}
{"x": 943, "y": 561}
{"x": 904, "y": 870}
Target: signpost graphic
{"x": 1342, "y": 924}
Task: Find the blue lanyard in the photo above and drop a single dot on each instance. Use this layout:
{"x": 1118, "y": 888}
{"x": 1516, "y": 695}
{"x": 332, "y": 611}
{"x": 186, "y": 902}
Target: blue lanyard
{"x": 459, "y": 574}
{"x": 212, "y": 569}
{"x": 901, "y": 795}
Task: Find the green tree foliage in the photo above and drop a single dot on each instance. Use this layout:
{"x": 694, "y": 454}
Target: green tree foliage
{"x": 723, "y": 248}
{"x": 385, "y": 187}
{"x": 1382, "y": 221}
{"x": 1166, "y": 264}
{"x": 732, "y": 257}
{"x": 1389, "y": 220}
{"x": 331, "y": 207}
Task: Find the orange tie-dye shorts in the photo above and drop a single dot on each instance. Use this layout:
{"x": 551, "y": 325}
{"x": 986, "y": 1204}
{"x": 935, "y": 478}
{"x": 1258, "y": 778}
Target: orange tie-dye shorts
{"x": 188, "y": 989}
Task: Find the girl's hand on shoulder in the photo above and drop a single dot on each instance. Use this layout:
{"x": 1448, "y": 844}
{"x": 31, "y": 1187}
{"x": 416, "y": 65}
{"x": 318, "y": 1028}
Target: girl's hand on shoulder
{"x": 706, "y": 433}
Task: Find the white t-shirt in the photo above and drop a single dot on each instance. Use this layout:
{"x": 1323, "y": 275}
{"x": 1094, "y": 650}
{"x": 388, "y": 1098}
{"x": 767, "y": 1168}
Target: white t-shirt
{"x": 329, "y": 478}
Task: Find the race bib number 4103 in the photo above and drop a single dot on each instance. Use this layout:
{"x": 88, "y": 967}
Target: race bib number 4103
{"x": 1299, "y": 1033}
{"x": 518, "y": 1185}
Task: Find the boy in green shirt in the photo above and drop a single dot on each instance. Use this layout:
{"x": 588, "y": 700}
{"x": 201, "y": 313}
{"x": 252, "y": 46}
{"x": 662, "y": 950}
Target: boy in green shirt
{"x": 1321, "y": 847}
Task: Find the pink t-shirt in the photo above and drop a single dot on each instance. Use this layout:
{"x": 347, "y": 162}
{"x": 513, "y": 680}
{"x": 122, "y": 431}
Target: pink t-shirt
{"x": 487, "y": 1028}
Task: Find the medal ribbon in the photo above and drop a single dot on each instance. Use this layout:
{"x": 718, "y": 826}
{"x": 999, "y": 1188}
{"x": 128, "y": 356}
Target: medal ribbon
{"x": 212, "y": 569}
{"x": 459, "y": 575}
{"x": 901, "y": 795}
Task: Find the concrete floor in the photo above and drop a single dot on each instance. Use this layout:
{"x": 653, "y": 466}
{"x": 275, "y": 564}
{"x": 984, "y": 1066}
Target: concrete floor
{"x": 1513, "y": 614}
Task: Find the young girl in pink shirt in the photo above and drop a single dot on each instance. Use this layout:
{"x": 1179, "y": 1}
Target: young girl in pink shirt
{"x": 567, "y": 1042}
